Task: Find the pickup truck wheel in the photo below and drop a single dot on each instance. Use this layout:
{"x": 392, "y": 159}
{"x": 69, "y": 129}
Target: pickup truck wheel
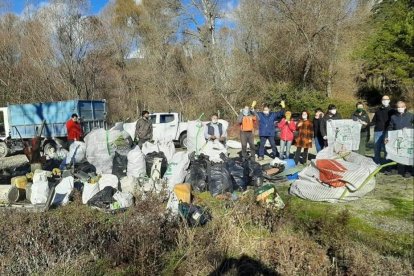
{"x": 49, "y": 149}
{"x": 4, "y": 150}
{"x": 183, "y": 140}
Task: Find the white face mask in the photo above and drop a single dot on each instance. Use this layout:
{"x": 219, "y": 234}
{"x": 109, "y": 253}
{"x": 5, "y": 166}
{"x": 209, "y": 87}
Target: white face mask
{"x": 214, "y": 121}
{"x": 266, "y": 112}
{"x": 385, "y": 103}
{"x": 333, "y": 111}
{"x": 304, "y": 117}
{"x": 245, "y": 112}
{"x": 401, "y": 109}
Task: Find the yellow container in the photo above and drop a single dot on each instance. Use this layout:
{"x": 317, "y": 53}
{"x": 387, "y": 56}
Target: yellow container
{"x": 19, "y": 181}
{"x": 183, "y": 192}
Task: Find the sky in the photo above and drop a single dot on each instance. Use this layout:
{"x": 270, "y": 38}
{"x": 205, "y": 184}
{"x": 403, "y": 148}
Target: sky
{"x": 17, "y": 6}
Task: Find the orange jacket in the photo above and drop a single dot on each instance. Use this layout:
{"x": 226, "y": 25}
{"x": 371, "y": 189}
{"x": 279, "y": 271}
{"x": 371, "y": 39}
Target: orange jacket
{"x": 247, "y": 123}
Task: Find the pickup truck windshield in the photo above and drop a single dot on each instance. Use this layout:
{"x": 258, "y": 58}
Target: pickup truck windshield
{"x": 166, "y": 118}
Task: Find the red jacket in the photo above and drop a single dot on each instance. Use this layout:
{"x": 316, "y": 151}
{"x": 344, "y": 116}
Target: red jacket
{"x": 74, "y": 130}
{"x": 286, "y": 130}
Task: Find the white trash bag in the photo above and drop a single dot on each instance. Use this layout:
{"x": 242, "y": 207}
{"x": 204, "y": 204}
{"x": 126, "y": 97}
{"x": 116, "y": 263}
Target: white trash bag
{"x": 89, "y": 190}
{"x": 63, "y": 191}
{"x": 40, "y": 187}
{"x": 233, "y": 144}
{"x": 108, "y": 180}
{"x": 136, "y": 166}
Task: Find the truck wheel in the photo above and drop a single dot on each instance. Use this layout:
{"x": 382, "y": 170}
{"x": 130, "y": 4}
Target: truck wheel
{"x": 3, "y": 149}
{"x": 183, "y": 140}
{"x": 49, "y": 149}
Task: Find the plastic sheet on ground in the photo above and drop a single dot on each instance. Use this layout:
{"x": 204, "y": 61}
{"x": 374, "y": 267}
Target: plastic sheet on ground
{"x": 353, "y": 169}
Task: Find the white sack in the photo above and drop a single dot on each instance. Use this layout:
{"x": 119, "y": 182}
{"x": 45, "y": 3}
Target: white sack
{"x": 343, "y": 134}
{"x": 77, "y": 152}
{"x": 177, "y": 169}
{"x": 108, "y": 180}
{"x": 89, "y": 190}
{"x": 40, "y": 187}
{"x": 400, "y": 146}
{"x": 149, "y": 147}
{"x": 129, "y": 184}
{"x": 168, "y": 148}
{"x": 63, "y": 191}
{"x": 101, "y": 146}
{"x": 136, "y": 163}
{"x": 130, "y": 128}
{"x": 195, "y": 136}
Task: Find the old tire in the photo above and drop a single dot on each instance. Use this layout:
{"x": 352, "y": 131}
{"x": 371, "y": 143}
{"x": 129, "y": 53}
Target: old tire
{"x": 183, "y": 140}
{"x": 4, "y": 150}
{"x": 49, "y": 149}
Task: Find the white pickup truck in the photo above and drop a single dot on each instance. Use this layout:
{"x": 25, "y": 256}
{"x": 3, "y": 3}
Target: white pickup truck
{"x": 166, "y": 126}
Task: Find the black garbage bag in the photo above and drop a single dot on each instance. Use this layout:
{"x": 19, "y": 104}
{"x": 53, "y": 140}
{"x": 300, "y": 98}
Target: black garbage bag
{"x": 85, "y": 167}
{"x": 255, "y": 173}
{"x": 149, "y": 160}
{"x": 22, "y": 170}
{"x": 119, "y": 165}
{"x": 197, "y": 175}
{"x": 194, "y": 215}
{"x": 50, "y": 164}
{"x": 220, "y": 180}
{"x": 238, "y": 171}
{"x": 103, "y": 199}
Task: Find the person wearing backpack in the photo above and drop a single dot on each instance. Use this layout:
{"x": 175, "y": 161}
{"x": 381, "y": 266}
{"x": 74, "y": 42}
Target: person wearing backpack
{"x": 287, "y": 128}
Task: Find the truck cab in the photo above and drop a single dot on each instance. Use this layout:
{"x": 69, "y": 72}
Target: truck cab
{"x": 168, "y": 126}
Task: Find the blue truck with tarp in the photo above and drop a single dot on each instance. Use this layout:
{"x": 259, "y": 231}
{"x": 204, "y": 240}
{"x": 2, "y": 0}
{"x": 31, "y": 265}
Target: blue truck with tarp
{"x": 22, "y": 122}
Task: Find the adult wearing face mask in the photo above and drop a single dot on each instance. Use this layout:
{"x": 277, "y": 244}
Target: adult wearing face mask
{"x": 318, "y": 137}
{"x": 381, "y": 121}
{"x": 304, "y": 139}
{"x": 267, "y": 128}
{"x": 332, "y": 114}
{"x": 402, "y": 119}
{"x": 246, "y": 121}
{"x": 361, "y": 116}
{"x": 215, "y": 130}
{"x": 143, "y": 129}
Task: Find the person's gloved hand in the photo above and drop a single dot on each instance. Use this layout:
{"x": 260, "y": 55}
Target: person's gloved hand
{"x": 282, "y": 104}
{"x": 386, "y": 140}
{"x": 222, "y": 139}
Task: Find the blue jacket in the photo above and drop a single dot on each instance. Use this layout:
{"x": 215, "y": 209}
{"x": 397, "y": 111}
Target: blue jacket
{"x": 400, "y": 121}
{"x": 267, "y": 126}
